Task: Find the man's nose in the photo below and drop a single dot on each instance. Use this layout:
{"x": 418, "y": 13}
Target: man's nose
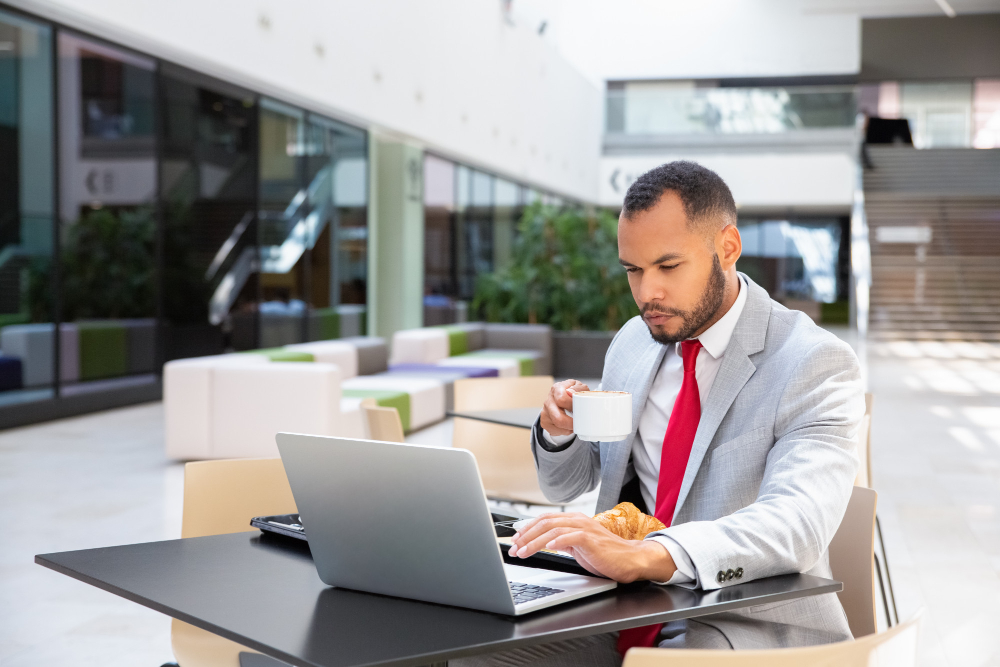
{"x": 649, "y": 291}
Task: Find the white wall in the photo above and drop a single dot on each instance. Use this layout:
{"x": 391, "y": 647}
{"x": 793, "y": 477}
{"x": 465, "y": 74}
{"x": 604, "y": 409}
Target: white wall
{"x": 454, "y": 75}
{"x": 658, "y": 39}
{"x": 776, "y": 181}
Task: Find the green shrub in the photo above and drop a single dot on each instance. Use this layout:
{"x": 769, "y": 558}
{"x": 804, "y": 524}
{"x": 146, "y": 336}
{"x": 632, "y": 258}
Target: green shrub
{"x": 564, "y": 271}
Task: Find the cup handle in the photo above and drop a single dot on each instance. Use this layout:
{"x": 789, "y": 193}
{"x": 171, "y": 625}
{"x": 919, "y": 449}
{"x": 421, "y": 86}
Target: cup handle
{"x": 569, "y": 413}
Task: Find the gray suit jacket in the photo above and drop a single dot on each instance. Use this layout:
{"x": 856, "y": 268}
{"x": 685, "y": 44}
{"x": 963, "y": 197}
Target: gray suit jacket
{"x": 770, "y": 472}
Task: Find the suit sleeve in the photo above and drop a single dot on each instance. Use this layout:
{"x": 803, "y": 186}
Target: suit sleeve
{"x": 568, "y": 472}
{"x": 807, "y": 483}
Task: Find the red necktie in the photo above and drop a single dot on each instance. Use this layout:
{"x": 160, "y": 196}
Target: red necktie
{"x": 677, "y": 443}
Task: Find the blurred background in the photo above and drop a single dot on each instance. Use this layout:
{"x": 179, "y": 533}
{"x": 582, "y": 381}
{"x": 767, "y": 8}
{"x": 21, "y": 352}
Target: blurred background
{"x": 181, "y": 179}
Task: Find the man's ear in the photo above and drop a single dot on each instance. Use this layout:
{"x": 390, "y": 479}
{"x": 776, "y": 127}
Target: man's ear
{"x": 728, "y": 246}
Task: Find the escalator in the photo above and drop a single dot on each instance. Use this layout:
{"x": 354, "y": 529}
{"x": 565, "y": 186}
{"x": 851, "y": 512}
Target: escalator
{"x": 284, "y": 238}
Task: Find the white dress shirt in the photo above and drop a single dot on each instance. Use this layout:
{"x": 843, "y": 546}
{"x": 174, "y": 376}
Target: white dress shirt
{"x": 648, "y": 443}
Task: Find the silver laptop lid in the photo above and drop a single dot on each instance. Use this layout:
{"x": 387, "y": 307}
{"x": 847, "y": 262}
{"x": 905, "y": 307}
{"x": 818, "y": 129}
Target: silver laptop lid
{"x": 396, "y": 519}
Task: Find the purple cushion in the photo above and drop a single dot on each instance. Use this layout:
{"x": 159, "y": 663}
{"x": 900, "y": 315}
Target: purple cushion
{"x": 467, "y": 371}
{"x": 10, "y": 373}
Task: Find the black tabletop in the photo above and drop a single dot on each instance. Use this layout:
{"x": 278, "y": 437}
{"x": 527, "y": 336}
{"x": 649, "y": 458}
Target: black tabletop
{"x": 520, "y": 417}
{"x": 263, "y": 592}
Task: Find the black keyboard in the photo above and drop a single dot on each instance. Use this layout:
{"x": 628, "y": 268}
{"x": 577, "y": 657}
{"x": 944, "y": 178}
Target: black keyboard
{"x": 529, "y": 592}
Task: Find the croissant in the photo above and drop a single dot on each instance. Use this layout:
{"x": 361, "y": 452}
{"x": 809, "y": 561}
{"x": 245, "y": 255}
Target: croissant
{"x": 626, "y": 521}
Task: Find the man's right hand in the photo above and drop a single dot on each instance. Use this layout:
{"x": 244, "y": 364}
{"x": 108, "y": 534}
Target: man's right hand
{"x": 554, "y": 420}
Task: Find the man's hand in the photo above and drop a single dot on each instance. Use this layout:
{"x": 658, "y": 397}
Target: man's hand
{"x": 554, "y": 419}
{"x": 595, "y": 547}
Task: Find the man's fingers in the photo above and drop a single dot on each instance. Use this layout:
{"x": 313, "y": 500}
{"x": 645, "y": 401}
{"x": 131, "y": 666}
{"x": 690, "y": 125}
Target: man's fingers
{"x": 558, "y": 418}
{"x": 577, "y": 540}
{"x": 549, "y": 521}
{"x": 537, "y": 544}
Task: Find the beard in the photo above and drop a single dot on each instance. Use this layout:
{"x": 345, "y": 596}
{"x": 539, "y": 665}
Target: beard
{"x": 693, "y": 320}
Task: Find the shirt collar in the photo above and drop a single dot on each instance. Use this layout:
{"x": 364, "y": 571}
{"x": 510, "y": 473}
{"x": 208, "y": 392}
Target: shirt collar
{"x": 716, "y": 338}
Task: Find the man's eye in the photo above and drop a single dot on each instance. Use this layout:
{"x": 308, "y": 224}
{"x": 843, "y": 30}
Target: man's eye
{"x": 631, "y": 269}
{"x": 668, "y": 266}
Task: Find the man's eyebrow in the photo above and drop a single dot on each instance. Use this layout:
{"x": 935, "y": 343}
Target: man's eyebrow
{"x": 669, "y": 257}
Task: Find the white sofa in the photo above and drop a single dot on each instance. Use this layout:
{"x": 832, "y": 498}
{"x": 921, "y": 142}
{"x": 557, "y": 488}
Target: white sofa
{"x": 232, "y": 405}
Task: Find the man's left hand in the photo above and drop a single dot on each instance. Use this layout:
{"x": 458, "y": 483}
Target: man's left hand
{"x": 595, "y": 547}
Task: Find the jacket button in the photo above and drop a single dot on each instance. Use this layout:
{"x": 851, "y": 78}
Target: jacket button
{"x": 739, "y": 572}
{"x": 721, "y": 577}
{"x": 730, "y": 574}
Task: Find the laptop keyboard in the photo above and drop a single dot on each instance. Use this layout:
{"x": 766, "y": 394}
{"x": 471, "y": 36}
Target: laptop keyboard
{"x": 528, "y": 592}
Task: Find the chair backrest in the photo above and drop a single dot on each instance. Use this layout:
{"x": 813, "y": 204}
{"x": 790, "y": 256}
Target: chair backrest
{"x": 864, "y": 477}
{"x": 383, "y": 423}
{"x": 852, "y": 561}
{"x": 503, "y": 453}
{"x": 222, "y": 496}
{"x": 896, "y": 647}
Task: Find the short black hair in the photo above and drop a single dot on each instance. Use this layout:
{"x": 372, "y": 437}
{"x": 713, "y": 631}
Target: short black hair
{"x": 702, "y": 191}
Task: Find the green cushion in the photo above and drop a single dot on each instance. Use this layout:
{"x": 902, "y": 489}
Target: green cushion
{"x": 325, "y": 324}
{"x": 283, "y": 354}
{"x": 387, "y": 399}
{"x": 527, "y": 363}
{"x": 458, "y": 341}
{"x": 103, "y": 350}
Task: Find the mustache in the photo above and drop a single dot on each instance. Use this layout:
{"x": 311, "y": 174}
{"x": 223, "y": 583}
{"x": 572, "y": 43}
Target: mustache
{"x": 654, "y": 308}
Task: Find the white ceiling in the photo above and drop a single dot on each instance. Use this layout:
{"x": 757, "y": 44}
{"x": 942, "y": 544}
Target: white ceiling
{"x": 677, "y": 39}
{"x": 888, "y": 8}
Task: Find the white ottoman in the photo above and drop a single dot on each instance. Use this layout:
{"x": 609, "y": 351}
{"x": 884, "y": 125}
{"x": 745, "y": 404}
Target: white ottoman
{"x": 187, "y": 402}
{"x": 337, "y": 352}
{"x": 427, "y": 395}
{"x": 419, "y": 346}
{"x": 251, "y": 403}
{"x": 32, "y": 344}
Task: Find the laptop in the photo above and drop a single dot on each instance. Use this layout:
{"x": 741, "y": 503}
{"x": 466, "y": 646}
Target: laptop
{"x": 413, "y": 522}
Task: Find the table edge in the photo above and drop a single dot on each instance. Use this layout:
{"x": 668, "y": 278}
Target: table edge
{"x": 480, "y": 418}
{"x": 829, "y": 586}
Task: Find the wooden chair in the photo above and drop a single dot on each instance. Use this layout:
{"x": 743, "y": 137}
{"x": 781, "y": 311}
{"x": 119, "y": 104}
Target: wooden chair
{"x": 896, "y": 647}
{"x": 383, "y": 423}
{"x": 864, "y": 478}
{"x": 852, "y": 551}
{"x": 502, "y": 452}
{"x": 221, "y": 497}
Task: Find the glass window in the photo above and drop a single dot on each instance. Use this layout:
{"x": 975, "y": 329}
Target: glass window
{"x": 477, "y": 226}
{"x": 986, "y": 114}
{"x": 284, "y": 209}
{"x": 683, "y": 107}
{"x": 336, "y": 177}
{"x": 795, "y": 259}
{"x": 208, "y": 167}
{"x": 313, "y": 213}
{"x": 439, "y": 229}
{"x": 507, "y": 213}
{"x": 940, "y": 114}
{"x": 26, "y": 210}
{"x": 108, "y": 186}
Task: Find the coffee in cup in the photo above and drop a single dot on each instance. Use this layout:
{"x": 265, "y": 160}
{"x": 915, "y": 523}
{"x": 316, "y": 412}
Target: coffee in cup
{"x": 602, "y": 416}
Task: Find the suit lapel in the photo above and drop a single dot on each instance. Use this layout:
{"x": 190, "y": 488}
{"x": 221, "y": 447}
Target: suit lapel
{"x": 735, "y": 371}
{"x": 615, "y": 455}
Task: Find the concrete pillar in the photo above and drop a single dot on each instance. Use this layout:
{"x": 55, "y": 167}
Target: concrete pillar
{"x": 395, "y": 236}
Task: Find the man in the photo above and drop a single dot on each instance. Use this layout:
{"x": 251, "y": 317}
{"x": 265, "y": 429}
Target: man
{"x": 743, "y": 443}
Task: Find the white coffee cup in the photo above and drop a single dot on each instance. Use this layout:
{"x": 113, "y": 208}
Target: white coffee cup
{"x": 602, "y": 416}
